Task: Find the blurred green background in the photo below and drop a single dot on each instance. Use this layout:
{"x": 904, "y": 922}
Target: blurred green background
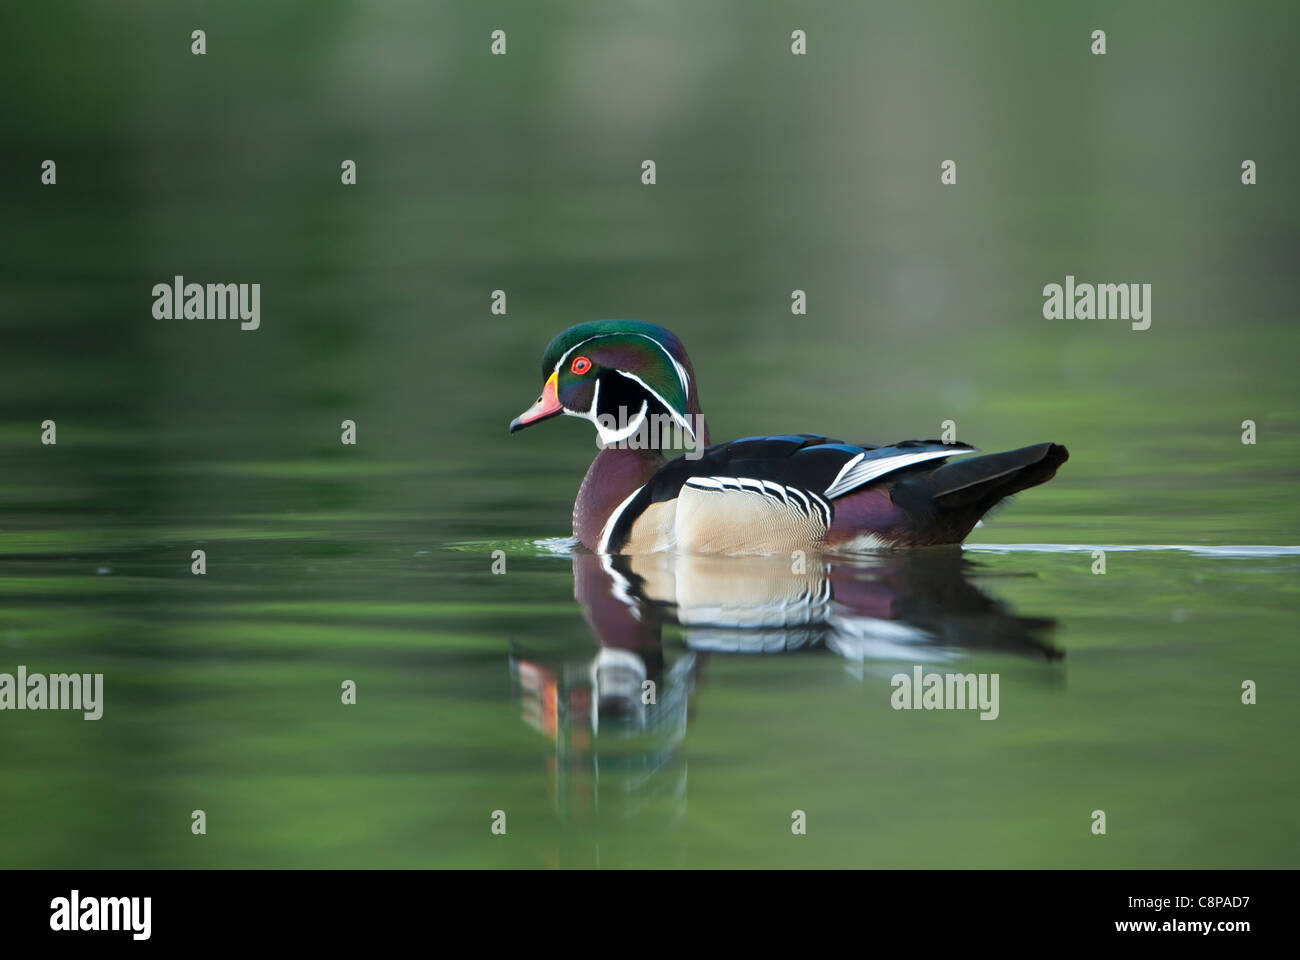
{"x": 522, "y": 172}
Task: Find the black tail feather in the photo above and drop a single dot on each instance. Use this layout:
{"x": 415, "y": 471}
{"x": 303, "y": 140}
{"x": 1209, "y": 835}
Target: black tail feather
{"x": 946, "y": 503}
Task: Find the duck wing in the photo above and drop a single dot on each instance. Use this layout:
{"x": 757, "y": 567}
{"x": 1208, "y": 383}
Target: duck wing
{"x": 757, "y": 494}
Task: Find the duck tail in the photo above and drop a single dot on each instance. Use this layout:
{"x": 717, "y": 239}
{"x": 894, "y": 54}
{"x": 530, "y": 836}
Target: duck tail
{"x": 945, "y": 504}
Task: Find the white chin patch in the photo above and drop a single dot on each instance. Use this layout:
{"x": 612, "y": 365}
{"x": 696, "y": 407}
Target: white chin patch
{"x": 611, "y": 432}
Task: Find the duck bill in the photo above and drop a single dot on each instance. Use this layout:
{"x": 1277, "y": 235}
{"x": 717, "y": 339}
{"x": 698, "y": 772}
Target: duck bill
{"x": 547, "y": 406}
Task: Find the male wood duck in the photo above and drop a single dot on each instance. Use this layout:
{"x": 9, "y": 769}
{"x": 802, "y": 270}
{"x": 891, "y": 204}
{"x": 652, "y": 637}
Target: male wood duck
{"x": 759, "y": 495}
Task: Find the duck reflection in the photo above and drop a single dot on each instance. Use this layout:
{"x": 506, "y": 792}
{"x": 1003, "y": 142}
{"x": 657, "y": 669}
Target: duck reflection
{"x": 909, "y": 605}
{"x": 617, "y": 716}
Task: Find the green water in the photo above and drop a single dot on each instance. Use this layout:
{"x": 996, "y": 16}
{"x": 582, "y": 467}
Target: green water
{"x": 372, "y": 563}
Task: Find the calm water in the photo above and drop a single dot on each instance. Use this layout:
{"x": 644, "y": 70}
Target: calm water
{"x": 519, "y": 692}
{"x": 481, "y": 692}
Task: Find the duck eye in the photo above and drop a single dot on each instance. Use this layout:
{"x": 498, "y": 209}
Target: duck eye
{"x": 580, "y": 365}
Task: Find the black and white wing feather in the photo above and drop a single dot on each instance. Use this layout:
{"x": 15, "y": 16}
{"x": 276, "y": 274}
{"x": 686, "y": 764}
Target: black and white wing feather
{"x": 783, "y": 484}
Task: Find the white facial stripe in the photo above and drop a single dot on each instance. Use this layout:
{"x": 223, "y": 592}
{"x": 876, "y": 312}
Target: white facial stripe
{"x": 677, "y": 417}
{"x": 682, "y": 376}
{"x": 608, "y": 436}
{"x": 559, "y": 363}
{"x": 681, "y": 371}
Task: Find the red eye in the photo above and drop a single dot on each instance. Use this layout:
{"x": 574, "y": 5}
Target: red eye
{"x": 580, "y": 365}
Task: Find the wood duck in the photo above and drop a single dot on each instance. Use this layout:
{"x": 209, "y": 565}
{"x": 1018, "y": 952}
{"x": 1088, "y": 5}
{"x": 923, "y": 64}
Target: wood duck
{"x": 760, "y": 495}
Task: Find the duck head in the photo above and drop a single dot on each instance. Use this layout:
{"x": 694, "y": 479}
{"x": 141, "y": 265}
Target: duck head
{"x": 622, "y": 375}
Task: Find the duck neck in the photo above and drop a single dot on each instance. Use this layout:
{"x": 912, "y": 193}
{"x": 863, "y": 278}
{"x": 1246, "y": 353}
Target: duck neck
{"x": 612, "y": 477}
{"x": 618, "y": 471}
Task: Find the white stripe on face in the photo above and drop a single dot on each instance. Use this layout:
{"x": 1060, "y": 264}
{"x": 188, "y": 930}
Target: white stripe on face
{"x": 682, "y": 375}
{"x": 677, "y": 417}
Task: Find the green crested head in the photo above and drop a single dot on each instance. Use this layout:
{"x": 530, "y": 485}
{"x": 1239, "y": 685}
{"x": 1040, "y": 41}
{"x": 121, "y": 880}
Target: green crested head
{"x": 619, "y": 374}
